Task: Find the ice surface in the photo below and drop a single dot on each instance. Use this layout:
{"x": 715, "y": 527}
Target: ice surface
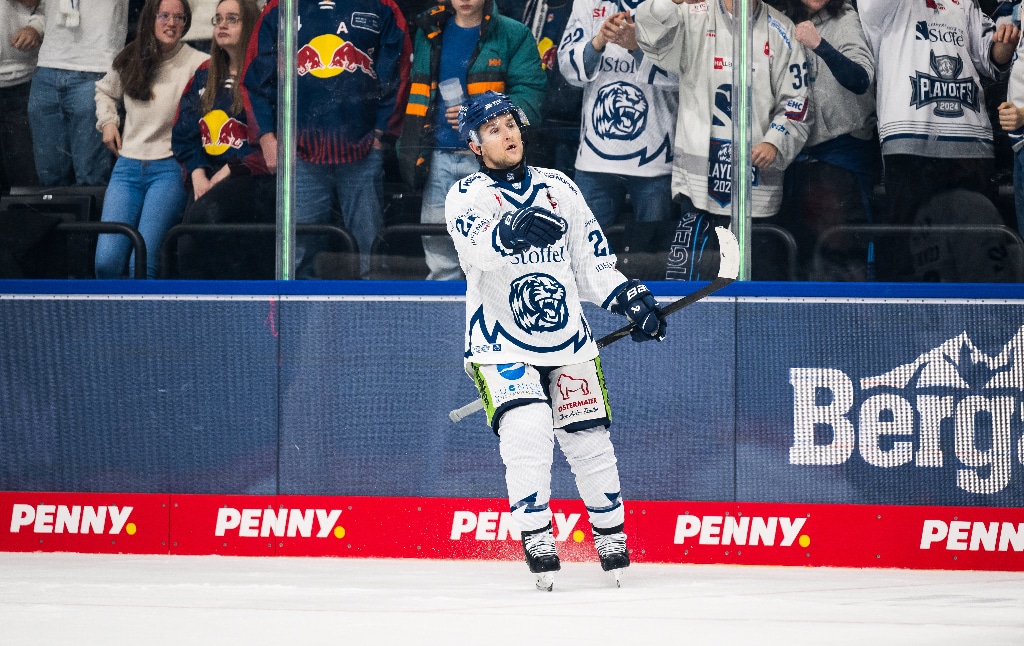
{"x": 84, "y": 599}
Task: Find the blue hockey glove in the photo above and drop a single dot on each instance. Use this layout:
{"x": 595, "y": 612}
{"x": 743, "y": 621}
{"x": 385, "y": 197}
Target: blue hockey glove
{"x": 637, "y": 304}
{"x": 531, "y": 226}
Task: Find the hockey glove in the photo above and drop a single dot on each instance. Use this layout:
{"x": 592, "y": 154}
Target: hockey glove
{"x": 528, "y": 227}
{"x": 637, "y": 303}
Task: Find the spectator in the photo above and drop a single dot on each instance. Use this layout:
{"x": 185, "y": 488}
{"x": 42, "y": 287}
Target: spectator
{"x": 1011, "y": 119}
{"x": 21, "y": 32}
{"x": 935, "y": 132}
{"x": 629, "y": 111}
{"x": 832, "y": 179}
{"x": 555, "y": 140}
{"x": 146, "y": 79}
{"x": 462, "y": 49}
{"x": 226, "y": 178}
{"x": 696, "y": 41}
{"x": 353, "y": 81}
{"x": 80, "y": 43}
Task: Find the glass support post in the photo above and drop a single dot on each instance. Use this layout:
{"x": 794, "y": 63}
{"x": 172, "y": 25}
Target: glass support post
{"x": 741, "y": 148}
{"x": 286, "y": 66}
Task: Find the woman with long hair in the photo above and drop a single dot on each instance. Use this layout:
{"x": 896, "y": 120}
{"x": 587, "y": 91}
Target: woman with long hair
{"x": 146, "y": 80}
{"x": 227, "y": 179}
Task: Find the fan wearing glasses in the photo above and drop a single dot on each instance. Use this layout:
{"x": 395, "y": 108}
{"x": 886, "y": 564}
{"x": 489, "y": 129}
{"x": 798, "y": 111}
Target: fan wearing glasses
{"x": 146, "y": 189}
{"x": 226, "y": 178}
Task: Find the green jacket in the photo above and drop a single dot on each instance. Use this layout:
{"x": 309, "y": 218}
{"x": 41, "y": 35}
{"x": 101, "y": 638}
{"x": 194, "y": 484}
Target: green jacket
{"x": 506, "y": 60}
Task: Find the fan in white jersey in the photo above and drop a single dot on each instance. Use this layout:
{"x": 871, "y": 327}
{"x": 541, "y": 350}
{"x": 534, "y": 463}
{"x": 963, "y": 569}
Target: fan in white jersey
{"x": 532, "y": 251}
{"x": 629, "y": 111}
{"x": 933, "y": 123}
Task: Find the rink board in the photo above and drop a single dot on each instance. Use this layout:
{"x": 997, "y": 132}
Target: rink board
{"x": 452, "y": 528}
{"x": 888, "y": 397}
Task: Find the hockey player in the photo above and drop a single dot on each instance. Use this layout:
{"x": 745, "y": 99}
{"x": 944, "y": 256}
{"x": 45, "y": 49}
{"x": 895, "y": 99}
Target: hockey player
{"x": 695, "y": 40}
{"x": 532, "y": 251}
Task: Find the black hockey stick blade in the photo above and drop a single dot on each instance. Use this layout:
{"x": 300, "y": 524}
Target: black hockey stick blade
{"x": 728, "y": 269}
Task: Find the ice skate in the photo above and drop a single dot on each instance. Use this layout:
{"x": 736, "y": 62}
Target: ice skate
{"x": 541, "y": 557}
{"x": 611, "y": 548}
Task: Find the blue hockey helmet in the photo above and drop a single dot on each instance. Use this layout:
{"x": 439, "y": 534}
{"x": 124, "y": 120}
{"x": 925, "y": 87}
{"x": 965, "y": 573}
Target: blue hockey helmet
{"x": 482, "y": 108}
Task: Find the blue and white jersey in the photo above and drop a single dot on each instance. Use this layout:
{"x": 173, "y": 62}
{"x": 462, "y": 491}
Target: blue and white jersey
{"x": 629, "y": 104}
{"x": 931, "y": 56}
{"x": 527, "y": 307}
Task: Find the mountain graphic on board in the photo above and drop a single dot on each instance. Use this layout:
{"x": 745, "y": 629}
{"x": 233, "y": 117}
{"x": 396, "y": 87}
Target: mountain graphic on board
{"x": 958, "y": 363}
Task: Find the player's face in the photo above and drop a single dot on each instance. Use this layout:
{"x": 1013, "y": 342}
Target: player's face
{"x": 501, "y": 143}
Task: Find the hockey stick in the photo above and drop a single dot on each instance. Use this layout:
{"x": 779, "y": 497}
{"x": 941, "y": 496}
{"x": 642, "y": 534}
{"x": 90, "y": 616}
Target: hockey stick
{"x": 728, "y": 269}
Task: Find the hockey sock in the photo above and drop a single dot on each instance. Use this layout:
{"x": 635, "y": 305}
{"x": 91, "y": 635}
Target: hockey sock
{"x": 526, "y": 446}
{"x": 592, "y": 459}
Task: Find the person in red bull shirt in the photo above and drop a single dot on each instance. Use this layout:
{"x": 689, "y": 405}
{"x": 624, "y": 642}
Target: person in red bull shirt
{"x": 226, "y": 176}
{"x": 352, "y": 82}
{"x": 468, "y": 46}
{"x": 146, "y": 189}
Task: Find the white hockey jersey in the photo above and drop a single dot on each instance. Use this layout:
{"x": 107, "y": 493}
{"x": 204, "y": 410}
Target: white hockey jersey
{"x": 1015, "y": 92}
{"x": 695, "y": 40}
{"x": 930, "y": 56}
{"x": 526, "y": 307}
{"x": 629, "y": 104}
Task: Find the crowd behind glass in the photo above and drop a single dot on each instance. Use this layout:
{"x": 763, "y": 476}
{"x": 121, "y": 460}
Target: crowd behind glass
{"x": 885, "y": 136}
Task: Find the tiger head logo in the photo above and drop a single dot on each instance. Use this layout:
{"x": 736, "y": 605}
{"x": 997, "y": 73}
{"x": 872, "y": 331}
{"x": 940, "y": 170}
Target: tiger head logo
{"x": 538, "y": 303}
{"x": 620, "y": 111}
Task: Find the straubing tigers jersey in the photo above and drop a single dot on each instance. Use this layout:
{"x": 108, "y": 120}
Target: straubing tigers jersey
{"x": 526, "y": 307}
{"x": 695, "y": 41}
{"x": 931, "y": 55}
{"x": 629, "y": 104}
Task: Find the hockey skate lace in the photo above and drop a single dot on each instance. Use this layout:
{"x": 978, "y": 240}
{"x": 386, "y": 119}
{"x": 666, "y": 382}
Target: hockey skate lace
{"x": 542, "y": 544}
{"x": 610, "y": 544}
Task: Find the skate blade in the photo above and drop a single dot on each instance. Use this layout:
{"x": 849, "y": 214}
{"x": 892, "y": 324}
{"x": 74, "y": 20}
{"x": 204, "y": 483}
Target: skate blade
{"x": 616, "y": 574}
{"x": 546, "y": 581}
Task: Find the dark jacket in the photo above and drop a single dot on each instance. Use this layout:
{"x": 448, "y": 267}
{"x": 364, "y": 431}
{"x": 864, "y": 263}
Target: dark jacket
{"x": 506, "y": 60}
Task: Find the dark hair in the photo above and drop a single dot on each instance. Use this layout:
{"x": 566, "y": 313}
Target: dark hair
{"x": 220, "y": 62}
{"x": 797, "y": 12}
{"x": 137, "y": 62}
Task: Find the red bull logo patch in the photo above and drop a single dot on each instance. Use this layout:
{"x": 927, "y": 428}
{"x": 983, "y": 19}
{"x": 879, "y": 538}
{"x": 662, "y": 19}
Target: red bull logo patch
{"x": 221, "y": 133}
{"x": 328, "y": 55}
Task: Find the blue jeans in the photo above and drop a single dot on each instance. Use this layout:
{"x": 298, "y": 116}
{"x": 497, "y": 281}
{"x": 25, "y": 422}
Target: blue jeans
{"x": 62, "y": 115}
{"x": 446, "y": 168}
{"x": 148, "y": 195}
{"x": 358, "y": 186}
{"x": 605, "y": 194}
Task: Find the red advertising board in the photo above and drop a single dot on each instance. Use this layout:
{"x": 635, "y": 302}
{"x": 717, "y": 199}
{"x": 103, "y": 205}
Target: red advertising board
{"x": 84, "y": 522}
{"x": 980, "y": 538}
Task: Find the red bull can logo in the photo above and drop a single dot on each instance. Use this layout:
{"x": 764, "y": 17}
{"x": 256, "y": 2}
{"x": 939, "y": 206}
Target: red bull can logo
{"x": 329, "y": 55}
{"x": 548, "y": 53}
{"x": 221, "y": 133}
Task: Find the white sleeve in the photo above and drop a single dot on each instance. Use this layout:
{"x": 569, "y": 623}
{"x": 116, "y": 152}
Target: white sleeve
{"x": 659, "y": 31}
{"x": 593, "y": 262}
{"x": 578, "y": 32}
{"x": 792, "y": 116}
{"x": 472, "y": 217}
{"x": 877, "y": 15}
{"x": 109, "y": 95}
{"x": 980, "y": 29}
